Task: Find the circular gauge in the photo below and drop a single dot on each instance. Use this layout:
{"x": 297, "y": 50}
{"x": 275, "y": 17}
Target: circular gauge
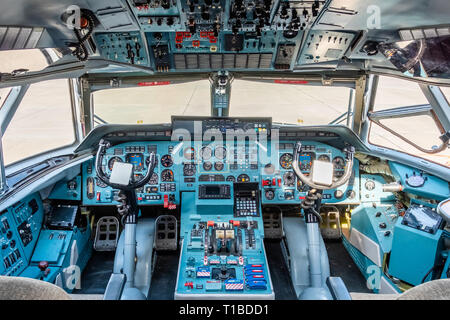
{"x": 189, "y": 153}
{"x": 218, "y": 166}
{"x": 338, "y": 163}
{"x": 206, "y": 153}
{"x": 306, "y": 159}
{"x": 369, "y": 185}
{"x": 231, "y": 179}
{"x": 289, "y": 179}
{"x": 350, "y": 194}
{"x": 207, "y": 165}
{"x": 243, "y": 178}
{"x": 270, "y": 194}
{"x": 220, "y": 153}
{"x": 167, "y": 160}
{"x": 338, "y": 194}
{"x": 112, "y": 160}
{"x": 269, "y": 168}
{"x": 188, "y": 169}
{"x": 324, "y": 157}
{"x": 100, "y": 183}
{"x": 415, "y": 181}
{"x": 154, "y": 179}
{"x": 286, "y": 161}
{"x": 167, "y": 175}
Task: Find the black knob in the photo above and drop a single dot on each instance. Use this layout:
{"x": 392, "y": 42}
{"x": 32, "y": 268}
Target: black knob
{"x": 294, "y": 14}
{"x": 382, "y": 225}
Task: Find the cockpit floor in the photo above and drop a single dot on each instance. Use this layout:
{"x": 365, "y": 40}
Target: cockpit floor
{"x": 164, "y": 277}
{"x": 342, "y": 265}
{"x": 97, "y": 273}
{"x": 279, "y": 273}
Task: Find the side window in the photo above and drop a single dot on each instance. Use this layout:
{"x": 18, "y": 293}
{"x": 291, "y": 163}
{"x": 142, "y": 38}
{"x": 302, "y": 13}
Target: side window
{"x": 43, "y": 122}
{"x": 414, "y": 130}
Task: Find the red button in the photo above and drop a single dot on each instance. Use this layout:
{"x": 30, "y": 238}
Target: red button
{"x": 166, "y": 201}
{"x": 98, "y": 196}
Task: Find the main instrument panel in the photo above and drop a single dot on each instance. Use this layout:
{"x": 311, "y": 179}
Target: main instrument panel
{"x": 190, "y": 165}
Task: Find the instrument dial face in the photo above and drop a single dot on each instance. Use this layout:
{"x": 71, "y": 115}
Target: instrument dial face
{"x": 206, "y": 153}
{"x": 324, "y": 157}
{"x": 289, "y": 179}
{"x": 167, "y": 160}
{"x": 270, "y": 194}
{"x": 189, "y": 153}
{"x": 269, "y": 168}
{"x": 154, "y": 179}
{"x": 189, "y": 169}
{"x": 218, "y": 166}
{"x": 286, "y": 161}
{"x": 338, "y": 163}
{"x": 207, "y": 165}
{"x": 112, "y": 160}
{"x": 243, "y": 178}
{"x": 167, "y": 175}
{"x": 339, "y": 166}
{"x": 220, "y": 153}
{"x": 231, "y": 179}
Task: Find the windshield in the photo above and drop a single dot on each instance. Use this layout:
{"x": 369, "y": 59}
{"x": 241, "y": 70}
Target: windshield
{"x": 285, "y": 103}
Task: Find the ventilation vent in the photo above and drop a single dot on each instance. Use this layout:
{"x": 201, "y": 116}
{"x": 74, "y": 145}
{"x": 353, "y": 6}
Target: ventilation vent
{"x": 226, "y": 61}
{"x": 19, "y": 38}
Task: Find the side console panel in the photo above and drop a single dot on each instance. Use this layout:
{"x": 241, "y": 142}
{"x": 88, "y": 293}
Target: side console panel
{"x": 19, "y": 231}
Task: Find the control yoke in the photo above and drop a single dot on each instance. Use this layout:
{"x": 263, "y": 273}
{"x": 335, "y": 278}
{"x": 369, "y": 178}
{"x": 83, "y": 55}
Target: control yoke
{"x": 315, "y": 179}
{"x": 102, "y": 146}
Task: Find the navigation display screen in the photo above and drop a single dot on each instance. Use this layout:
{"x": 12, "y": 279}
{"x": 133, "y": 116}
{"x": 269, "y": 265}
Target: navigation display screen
{"x": 137, "y": 160}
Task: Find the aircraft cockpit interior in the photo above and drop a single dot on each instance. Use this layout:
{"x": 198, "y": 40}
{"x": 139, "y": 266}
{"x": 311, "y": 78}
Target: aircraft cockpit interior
{"x": 224, "y": 150}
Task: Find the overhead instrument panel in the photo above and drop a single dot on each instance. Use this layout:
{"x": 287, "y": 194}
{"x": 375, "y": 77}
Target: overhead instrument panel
{"x": 180, "y": 35}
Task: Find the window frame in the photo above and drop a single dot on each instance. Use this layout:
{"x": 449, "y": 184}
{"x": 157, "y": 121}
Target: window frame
{"x": 11, "y": 105}
{"x": 438, "y": 109}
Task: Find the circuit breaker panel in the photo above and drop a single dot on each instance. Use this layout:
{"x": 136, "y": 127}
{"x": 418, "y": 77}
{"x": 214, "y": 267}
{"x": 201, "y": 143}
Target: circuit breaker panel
{"x": 188, "y": 35}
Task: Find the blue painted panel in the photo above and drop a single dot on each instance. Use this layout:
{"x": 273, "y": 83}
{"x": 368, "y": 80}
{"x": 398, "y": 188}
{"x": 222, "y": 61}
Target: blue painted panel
{"x": 414, "y": 253}
{"x": 377, "y": 223}
{"x": 433, "y": 188}
{"x": 372, "y": 189}
{"x": 19, "y": 230}
{"x": 67, "y": 190}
